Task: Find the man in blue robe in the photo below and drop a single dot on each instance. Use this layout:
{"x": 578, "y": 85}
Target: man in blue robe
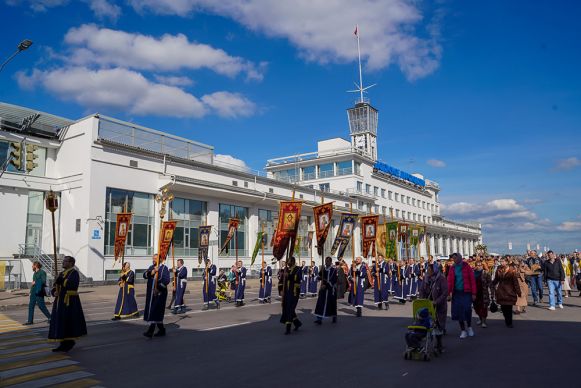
{"x": 357, "y": 277}
{"x": 209, "y": 286}
{"x": 155, "y": 297}
{"x": 240, "y": 284}
{"x": 181, "y": 281}
{"x": 326, "y": 306}
{"x": 67, "y": 320}
{"x": 126, "y": 306}
{"x": 313, "y": 279}
{"x": 304, "y": 280}
{"x": 265, "y": 290}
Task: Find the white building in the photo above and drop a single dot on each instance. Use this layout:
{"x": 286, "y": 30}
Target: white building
{"x": 98, "y": 164}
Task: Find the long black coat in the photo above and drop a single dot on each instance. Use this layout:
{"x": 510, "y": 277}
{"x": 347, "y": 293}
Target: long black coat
{"x": 155, "y": 303}
{"x": 67, "y": 320}
{"x": 327, "y": 300}
{"x": 290, "y": 294}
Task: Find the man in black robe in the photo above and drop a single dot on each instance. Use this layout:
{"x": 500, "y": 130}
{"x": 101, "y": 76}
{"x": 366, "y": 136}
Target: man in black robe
{"x": 156, "y": 296}
{"x": 290, "y": 292}
{"x": 327, "y": 300}
{"x": 67, "y": 320}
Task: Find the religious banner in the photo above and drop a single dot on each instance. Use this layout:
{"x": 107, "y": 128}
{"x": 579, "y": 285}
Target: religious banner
{"x": 346, "y": 227}
{"x": 323, "y": 215}
{"x": 257, "y": 246}
{"x": 403, "y": 232}
{"x": 286, "y": 231}
{"x": 166, "y": 237}
{"x": 391, "y": 243}
{"x": 381, "y": 239}
{"x": 310, "y": 240}
{"x": 369, "y": 234}
{"x": 121, "y": 230}
{"x": 272, "y": 239}
{"x": 414, "y": 235}
{"x": 203, "y": 243}
{"x": 232, "y": 228}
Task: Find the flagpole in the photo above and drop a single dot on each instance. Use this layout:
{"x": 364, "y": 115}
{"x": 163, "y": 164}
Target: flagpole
{"x": 123, "y": 253}
{"x": 353, "y": 248}
{"x": 262, "y": 247}
{"x": 359, "y": 57}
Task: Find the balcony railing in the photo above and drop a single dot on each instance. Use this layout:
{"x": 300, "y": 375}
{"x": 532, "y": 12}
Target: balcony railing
{"x": 307, "y": 176}
{"x": 326, "y": 174}
{"x": 344, "y": 171}
{"x": 360, "y": 193}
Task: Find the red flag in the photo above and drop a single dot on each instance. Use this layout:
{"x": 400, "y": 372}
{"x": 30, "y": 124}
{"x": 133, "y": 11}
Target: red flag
{"x": 356, "y": 32}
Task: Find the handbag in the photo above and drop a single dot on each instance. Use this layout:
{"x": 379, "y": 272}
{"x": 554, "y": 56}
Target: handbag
{"x": 493, "y": 307}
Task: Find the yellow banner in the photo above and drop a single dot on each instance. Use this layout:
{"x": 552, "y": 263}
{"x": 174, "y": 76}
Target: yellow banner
{"x": 2, "y": 274}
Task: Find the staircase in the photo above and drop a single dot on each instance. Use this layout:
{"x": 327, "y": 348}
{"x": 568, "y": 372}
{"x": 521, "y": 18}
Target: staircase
{"x": 34, "y": 253}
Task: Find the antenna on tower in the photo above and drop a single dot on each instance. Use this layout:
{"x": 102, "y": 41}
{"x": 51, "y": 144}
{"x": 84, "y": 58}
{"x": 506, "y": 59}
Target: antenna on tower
{"x": 360, "y": 89}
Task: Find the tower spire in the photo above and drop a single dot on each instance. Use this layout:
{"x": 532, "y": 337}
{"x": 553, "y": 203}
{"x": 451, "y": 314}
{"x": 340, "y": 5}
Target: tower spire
{"x": 360, "y": 88}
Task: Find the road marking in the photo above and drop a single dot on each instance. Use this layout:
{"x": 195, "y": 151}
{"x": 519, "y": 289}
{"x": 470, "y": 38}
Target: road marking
{"x": 23, "y": 353}
{"x": 19, "y": 364}
{"x": 35, "y": 368}
{"x": 79, "y": 384}
{"x": 40, "y": 375}
{"x": 51, "y": 380}
{"x": 16, "y": 344}
{"x": 33, "y": 338}
{"x": 225, "y": 326}
{"x": 25, "y": 348}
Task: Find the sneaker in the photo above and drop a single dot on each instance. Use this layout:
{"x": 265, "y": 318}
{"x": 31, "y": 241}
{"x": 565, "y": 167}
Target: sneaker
{"x": 552, "y": 308}
{"x": 470, "y": 332}
{"x": 484, "y": 325}
{"x": 560, "y": 306}
{"x": 463, "y": 334}
{"x": 478, "y": 321}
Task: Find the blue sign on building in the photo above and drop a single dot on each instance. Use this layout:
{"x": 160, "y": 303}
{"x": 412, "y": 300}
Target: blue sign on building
{"x": 387, "y": 169}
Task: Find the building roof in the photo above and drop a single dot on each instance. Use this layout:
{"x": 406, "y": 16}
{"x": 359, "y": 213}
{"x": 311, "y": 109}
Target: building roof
{"x": 30, "y": 121}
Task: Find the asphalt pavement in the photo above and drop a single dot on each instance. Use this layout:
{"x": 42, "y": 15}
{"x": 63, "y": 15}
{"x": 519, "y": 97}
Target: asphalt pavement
{"x": 246, "y": 347}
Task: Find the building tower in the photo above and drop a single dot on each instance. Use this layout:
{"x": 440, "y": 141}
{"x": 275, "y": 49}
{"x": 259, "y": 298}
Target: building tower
{"x": 362, "y": 116}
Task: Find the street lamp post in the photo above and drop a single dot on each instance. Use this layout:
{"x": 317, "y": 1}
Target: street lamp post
{"x": 52, "y": 206}
{"x": 25, "y": 44}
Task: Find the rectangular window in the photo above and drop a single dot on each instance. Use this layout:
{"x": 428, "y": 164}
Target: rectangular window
{"x": 359, "y": 187}
{"x": 382, "y": 193}
{"x": 326, "y": 170}
{"x": 357, "y": 168}
{"x": 289, "y": 176}
{"x": 397, "y": 213}
{"x": 268, "y": 218}
{"x": 384, "y": 210}
{"x": 345, "y": 167}
{"x": 33, "y": 238}
{"x": 359, "y": 205}
{"x": 396, "y": 197}
{"x": 190, "y": 214}
{"x": 413, "y": 201}
{"x": 368, "y": 188}
{"x": 309, "y": 173}
{"x": 233, "y": 211}
{"x": 139, "y": 236}
{"x": 408, "y": 199}
{"x": 325, "y": 187}
{"x": 376, "y": 209}
{"x": 376, "y": 191}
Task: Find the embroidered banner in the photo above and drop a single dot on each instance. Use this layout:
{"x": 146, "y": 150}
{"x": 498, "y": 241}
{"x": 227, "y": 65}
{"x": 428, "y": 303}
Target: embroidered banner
{"x": 232, "y": 228}
{"x": 391, "y": 245}
{"x": 286, "y": 231}
{"x": 414, "y": 235}
{"x": 403, "y": 232}
{"x": 323, "y": 215}
{"x": 257, "y": 246}
{"x": 167, "y": 230}
{"x": 381, "y": 240}
{"x": 346, "y": 227}
{"x": 203, "y": 243}
{"x": 121, "y": 230}
{"x": 369, "y": 234}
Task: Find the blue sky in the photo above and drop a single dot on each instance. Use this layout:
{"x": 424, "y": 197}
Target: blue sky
{"x": 483, "y": 97}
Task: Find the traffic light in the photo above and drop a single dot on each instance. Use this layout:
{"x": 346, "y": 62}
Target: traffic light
{"x": 16, "y": 155}
{"x": 31, "y": 156}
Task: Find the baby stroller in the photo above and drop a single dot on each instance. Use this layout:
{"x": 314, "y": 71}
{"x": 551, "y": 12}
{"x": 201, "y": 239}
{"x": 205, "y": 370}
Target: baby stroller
{"x": 420, "y": 336}
{"x": 223, "y": 290}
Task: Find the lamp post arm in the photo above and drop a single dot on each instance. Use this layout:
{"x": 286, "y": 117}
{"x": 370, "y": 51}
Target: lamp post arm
{"x": 9, "y": 59}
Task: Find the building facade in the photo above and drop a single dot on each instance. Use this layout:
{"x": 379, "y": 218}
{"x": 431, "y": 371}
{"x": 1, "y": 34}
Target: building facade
{"x": 99, "y": 166}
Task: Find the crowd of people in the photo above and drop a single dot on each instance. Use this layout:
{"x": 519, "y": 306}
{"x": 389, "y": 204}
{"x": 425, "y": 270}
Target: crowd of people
{"x": 479, "y": 284}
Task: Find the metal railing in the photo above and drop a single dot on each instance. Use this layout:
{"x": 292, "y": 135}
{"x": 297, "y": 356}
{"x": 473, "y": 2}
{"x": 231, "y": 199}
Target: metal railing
{"x": 326, "y": 174}
{"x": 34, "y": 253}
{"x": 344, "y": 171}
{"x": 307, "y": 176}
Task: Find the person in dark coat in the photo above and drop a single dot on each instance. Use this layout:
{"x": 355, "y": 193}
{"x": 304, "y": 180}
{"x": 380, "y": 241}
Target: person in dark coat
{"x": 304, "y": 280}
{"x": 209, "y": 286}
{"x": 180, "y": 282}
{"x": 506, "y": 289}
{"x": 342, "y": 282}
{"x": 357, "y": 278}
{"x": 327, "y": 300}
{"x": 155, "y": 297}
{"x": 67, "y": 320}
{"x": 265, "y": 284}
{"x": 290, "y": 291}
{"x": 313, "y": 279}
{"x": 435, "y": 288}
{"x": 240, "y": 284}
{"x": 126, "y": 306}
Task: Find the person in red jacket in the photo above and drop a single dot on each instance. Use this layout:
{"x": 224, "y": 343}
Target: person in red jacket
{"x": 462, "y": 292}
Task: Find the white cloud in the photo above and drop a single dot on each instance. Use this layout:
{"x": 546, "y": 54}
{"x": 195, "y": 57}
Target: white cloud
{"x": 568, "y": 164}
{"x": 91, "y": 45}
{"x": 322, "y": 30}
{"x": 103, "y": 9}
{"x": 570, "y": 226}
{"x": 38, "y": 5}
{"x": 499, "y": 212}
{"x": 230, "y": 105}
{"x": 229, "y": 161}
{"x": 174, "y": 80}
{"x": 437, "y": 163}
{"x": 125, "y": 89}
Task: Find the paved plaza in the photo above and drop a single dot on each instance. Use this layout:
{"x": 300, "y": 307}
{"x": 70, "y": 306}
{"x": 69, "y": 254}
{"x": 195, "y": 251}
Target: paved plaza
{"x": 246, "y": 347}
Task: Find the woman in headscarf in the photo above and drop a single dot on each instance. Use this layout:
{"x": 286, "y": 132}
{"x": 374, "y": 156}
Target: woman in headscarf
{"x": 522, "y": 271}
{"x": 483, "y": 281}
{"x": 435, "y": 288}
{"x": 506, "y": 289}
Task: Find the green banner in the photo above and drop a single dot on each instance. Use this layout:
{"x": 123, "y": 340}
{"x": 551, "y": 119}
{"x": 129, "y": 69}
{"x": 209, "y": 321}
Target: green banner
{"x": 391, "y": 243}
{"x": 257, "y": 247}
{"x": 414, "y": 235}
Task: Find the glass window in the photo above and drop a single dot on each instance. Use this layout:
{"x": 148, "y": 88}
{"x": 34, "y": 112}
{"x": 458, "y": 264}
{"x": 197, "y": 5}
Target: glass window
{"x": 291, "y": 175}
{"x": 376, "y": 191}
{"x": 34, "y": 215}
{"x": 382, "y": 193}
{"x": 326, "y": 170}
{"x": 309, "y": 173}
{"x": 268, "y": 218}
{"x": 345, "y": 167}
{"x": 358, "y": 168}
{"x": 139, "y": 236}
{"x": 190, "y": 214}
{"x": 397, "y": 213}
{"x": 359, "y": 186}
{"x": 325, "y": 187}
{"x": 233, "y": 211}
{"x": 368, "y": 188}
{"x": 396, "y": 197}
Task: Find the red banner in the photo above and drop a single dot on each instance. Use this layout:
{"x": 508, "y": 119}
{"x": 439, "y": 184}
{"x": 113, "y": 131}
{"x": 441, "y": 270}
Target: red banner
{"x": 232, "y": 228}
{"x": 121, "y": 231}
{"x": 286, "y": 231}
{"x": 323, "y": 215}
{"x": 369, "y": 234}
{"x": 166, "y": 237}
{"x": 403, "y": 231}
